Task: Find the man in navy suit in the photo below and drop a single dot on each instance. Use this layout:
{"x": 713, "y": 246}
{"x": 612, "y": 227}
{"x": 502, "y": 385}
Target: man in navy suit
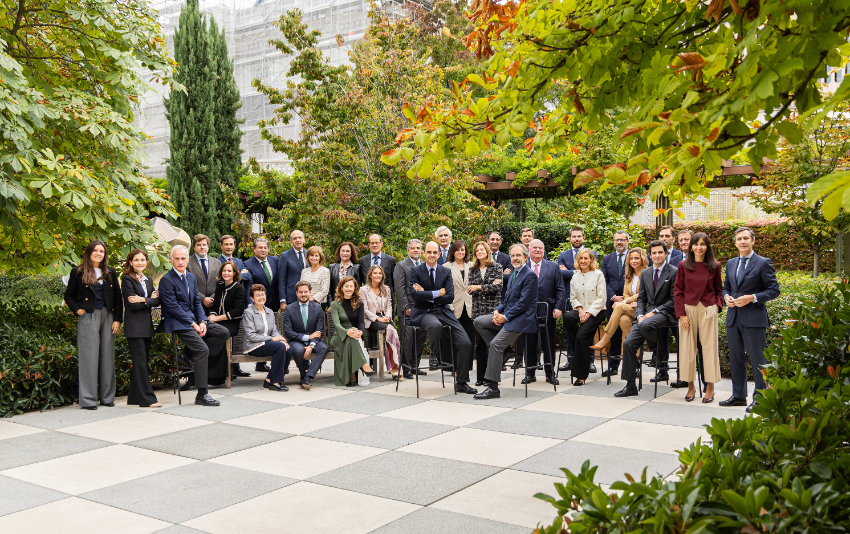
{"x": 264, "y": 271}
{"x": 674, "y": 257}
{"x": 377, "y": 257}
{"x": 303, "y": 324}
{"x": 614, "y": 269}
{"x": 228, "y": 246}
{"x": 494, "y": 240}
{"x": 183, "y": 315}
{"x": 432, "y": 291}
{"x": 515, "y": 315}
{"x": 566, "y": 262}
{"x": 750, "y": 283}
{"x": 444, "y": 238}
{"x": 550, "y": 289}
{"x": 291, "y": 263}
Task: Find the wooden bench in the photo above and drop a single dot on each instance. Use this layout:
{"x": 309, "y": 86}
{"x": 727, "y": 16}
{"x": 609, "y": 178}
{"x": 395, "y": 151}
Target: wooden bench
{"x": 235, "y": 355}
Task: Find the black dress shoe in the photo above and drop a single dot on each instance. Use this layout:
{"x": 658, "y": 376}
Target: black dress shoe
{"x": 419, "y": 372}
{"x": 751, "y": 406}
{"x": 529, "y": 380}
{"x": 488, "y": 394}
{"x": 609, "y": 372}
{"x": 241, "y": 373}
{"x": 733, "y": 401}
{"x": 351, "y": 384}
{"x": 629, "y": 391}
{"x": 108, "y": 404}
{"x": 433, "y": 364}
{"x": 552, "y": 380}
{"x": 465, "y": 388}
{"x": 678, "y": 384}
{"x": 187, "y": 386}
{"x": 566, "y": 367}
{"x": 408, "y": 376}
{"x": 262, "y": 367}
{"x": 662, "y": 377}
{"x": 479, "y": 383}
{"x": 184, "y": 358}
{"x": 305, "y": 384}
{"x": 517, "y": 364}
{"x": 650, "y": 363}
{"x": 206, "y": 400}
{"x": 274, "y": 387}
{"x": 592, "y": 369}
{"x": 89, "y": 407}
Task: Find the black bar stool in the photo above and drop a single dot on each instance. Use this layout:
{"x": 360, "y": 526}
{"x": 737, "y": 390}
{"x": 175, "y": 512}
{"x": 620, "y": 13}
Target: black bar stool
{"x": 542, "y": 332}
{"x": 445, "y": 342}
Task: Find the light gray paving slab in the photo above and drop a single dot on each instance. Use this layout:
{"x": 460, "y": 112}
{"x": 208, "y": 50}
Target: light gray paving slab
{"x": 431, "y": 520}
{"x": 24, "y": 450}
{"x": 240, "y": 385}
{"x": 612, "y": 462}
{"x": 402, "y": 476}
{"x": 667, "y": 413}
{"x": 178, "y": 529}
{"x": 187, "y": 492}
{"x": 540, "y": 424}
{"x": 327, "y": 381}
{"x": 231, "y": 408}
{"x": 382, "y": 432}
{"x": 364, "y": 404}
{"x": 16, "y": 495}
{"x": 600, "y": 388}
{"x": 510, "y": 398}
{"x": 71, "y": 416}
{"x": 209, "y": 441}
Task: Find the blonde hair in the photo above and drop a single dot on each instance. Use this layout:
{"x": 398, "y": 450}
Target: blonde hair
{"x": 594, "y": 264}
{"x": 644, "y": 263}
{"x": 384, "y": 290}
{"x": 488, "y": 260}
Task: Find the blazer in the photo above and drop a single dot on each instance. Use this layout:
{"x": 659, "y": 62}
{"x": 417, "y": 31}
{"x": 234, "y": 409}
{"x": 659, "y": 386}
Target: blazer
{"x": 760, "y": 280}
{"x": 259, "y": 275}
{"x": 320, "y": 282}
{"x": 587, "y": 291}
{"x": 353, "y": 270}
{"x": 519, "y": 303}
{"x": 388, "y": 264}
{"x": 567, "y": 258}
{"x": 179, "y": 308}
{"x": 293, "y": 323}
{"x": 373, "y": 305}
{"x": 206, "y": 284}
{"x": 401, "y": 275}
{"x": 423, "y": 301}
{"x": 615, "y": 278}
{"x": 488, "y": 298}
{"x": 257, "y": 328}
{"x": 289, "y": 274}
{"x": 460, "y": 279}
{"x": 675, "y": 257}
{"x": 660, "y": 299}
{"x": 80, "y": 296}
{"x": 229, "y": 301}
{"x": 696, "y": 286}
{"x": 246, "y": 278}
{"x": 137, "y": 315}
{"x": 550, "y": 285}
{"x": 628, "y": 296}
{"x": 503, "y": 259}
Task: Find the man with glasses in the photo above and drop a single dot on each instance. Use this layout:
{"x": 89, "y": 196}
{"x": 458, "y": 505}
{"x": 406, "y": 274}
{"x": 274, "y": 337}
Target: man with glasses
{"x": 377, "y": 257}
{"x": 614, "y": 269}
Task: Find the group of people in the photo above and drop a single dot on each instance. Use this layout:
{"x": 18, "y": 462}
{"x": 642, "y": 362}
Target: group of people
{"x": 464, "y": 300}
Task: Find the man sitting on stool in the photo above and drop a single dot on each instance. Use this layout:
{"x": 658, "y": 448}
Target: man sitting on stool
{"x": 303, "y": 324}
{"x": 514, "y": 316}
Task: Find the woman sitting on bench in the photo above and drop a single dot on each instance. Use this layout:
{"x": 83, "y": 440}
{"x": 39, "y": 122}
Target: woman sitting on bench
{"x": 348, "y": 318}
{"x": 261, "y": 338}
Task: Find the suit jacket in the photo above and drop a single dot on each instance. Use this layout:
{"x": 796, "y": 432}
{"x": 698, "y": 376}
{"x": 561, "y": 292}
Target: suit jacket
{"x": 460, "y": 279}
{"x": 423, "y": 301}
{"x": 440, "y": 260}
{"x": 80, "y": 296}
{"x": 519, "y": 303}
{"x": 401, "y": 275}
{"x": 180, "y": 307}
{"x": 760, "y": 280}
{"x": 206, "y": 284}
{"x": 628, "y": 296}
{"x": 246, "y": 278}
{"x": 289, "y": 274}
{"x": 259, "y": 276}
{"x": 567, "y": 258}
{"x": 388, "y": 264}
{"x": 137, "y": 315}
{"x": 550, "y": 285}
{"x": 293, "y": 323}
{"x": 676, "y": 257}
{"x": 373, "y": 305}
{"x": 659, "y": 299}
{"x": 504, "y": 260}
{"x": 615, "y": 278}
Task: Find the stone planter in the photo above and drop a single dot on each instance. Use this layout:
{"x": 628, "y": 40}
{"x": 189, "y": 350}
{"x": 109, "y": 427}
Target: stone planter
{"x": 543, "y": 173}
{"x": 510, "y": 176}
{"x": 484, "y": 178}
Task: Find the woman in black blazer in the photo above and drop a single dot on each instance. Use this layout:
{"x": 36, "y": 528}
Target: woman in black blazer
{"x": 139, "y": 298}
{"x": 346, "y": 265}
{"x": 227, "y": 308}
{"x": 93, "y": 293}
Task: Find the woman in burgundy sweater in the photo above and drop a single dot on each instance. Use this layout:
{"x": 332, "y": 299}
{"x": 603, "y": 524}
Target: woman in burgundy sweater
{"x": 698, "y": 299}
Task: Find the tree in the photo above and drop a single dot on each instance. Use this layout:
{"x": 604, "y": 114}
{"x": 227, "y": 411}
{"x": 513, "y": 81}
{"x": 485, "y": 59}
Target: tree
{"x": 692, "y": 76}
{"x": 228, "y": 136}
{"x": 70, "y": 155}
{"x": 820, "y": 152}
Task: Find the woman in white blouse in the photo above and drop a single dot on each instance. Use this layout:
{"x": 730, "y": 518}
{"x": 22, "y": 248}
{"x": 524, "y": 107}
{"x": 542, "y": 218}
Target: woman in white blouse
{"x": 587, "y": 296}
{"x": 623, "y": 314}
{"x": 318, "y": 275}
{"x": 460, "y": 266}
{"x": 378, "y": 311}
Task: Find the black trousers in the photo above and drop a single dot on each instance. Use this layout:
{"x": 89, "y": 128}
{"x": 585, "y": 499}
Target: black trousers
{"x": 651, "y": 331}
{"x": 201, "y": 347}
{"x": 466, "y": 322}
{"x": 409, "y": 358}
{"x": 141, "y": 392}
{"x": 433, "y": 323}
{"x": 276, "y": 350}
{"x": 582, "y": 335}
{"x": 536, "y": 344}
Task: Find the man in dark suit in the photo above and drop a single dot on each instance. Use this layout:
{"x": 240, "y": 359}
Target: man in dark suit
{"x": 674, "y": 257}
{"x": 515, "y": 315}
{"x": 550, "y": 289}
{"x": 183, "y": 315}
{"x": 494, "y": 240}
{"x": 444, "y": 238}
{"x": 566, "y": 262}
{"x": 750, "y": 283}
{"x": 655, "y": 310}
{"x": 228, "y": 247}
{"x": 264, "y": 271}
{"x": 432, "y": 290}
{"x": 205, "y": 270}
{"x": 303, "y": 325}
{"x": 377, "y": 257}
{"x": 614, "y": 269}
{"x": 401, "y": 276}
{"x": 290, "y": 265}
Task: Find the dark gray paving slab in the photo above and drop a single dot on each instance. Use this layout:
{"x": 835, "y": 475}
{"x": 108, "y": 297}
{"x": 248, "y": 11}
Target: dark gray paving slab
{"x": 431, "y": 520}
{"x": 402, "y": 476}
{"x": 24, "y": 450}
{"x": 364, "y": 404}
{"x": 16, "y": 495}
{"x": 187, "y": 492}
{"x": 510, "y": 398}
{"x": 231, "y": 408}
{"x": 382, "y": 432}
{"x": 179, "y": 529}
{"x": 71, "y": 416}
{"x": 238, "y": 386}
{"x": 612, "y": 462}
{"x": 666, "y": 413}
{"x": 600, "y": 388}
{"x": 326, "y": 380}
{"x": 209, "y": 441}
{"x": 540, "y": 424}
{"x": 434, "y": 376}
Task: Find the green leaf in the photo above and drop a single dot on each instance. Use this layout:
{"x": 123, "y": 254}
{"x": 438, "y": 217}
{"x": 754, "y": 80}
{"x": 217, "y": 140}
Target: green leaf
{"x": 790, "y": 131}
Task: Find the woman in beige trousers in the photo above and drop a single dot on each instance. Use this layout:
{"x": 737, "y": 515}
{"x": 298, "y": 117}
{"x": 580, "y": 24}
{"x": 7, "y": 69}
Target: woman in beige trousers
{"x": 623, "y": 314}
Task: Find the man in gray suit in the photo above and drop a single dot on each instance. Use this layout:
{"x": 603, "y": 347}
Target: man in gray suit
{"x": 401, "y": 275}
{"x": 205, "y": 268}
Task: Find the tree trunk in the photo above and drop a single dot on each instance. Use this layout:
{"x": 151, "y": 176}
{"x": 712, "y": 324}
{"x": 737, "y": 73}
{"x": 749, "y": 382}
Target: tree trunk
{"x": 816, "y": 263}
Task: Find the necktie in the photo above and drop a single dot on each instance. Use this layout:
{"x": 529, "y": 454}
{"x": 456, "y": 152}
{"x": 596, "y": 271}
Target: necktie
{"x": 204, "y": 265}
{"x": 537, "y": 269}
{"x": 655, "y": 279}
{"x": 267, "y": 270}
{"x": 304, "y": 315}
{"x": 495, "y": 255}
{"x": 301, "y": 258}
{"x": 443, "y": 255}
{"x": 433, "y": 278}
{"x": 185, "y": 283}
{"x": 742, "y": 264}
{"x": 376, "y": 260}
{"x": 620, "y": 263}
{"x": 513, "y": 277}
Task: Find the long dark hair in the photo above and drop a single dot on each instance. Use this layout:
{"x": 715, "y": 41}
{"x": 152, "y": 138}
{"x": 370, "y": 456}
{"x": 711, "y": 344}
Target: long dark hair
{"x": 128, "y": 263}
{"x": 355, "y": 297}
{"x": 455, "y": 247}
{"x": 351, "y": 246}
{"x": 87, "y": 267}
{"x": 709, "y": 259}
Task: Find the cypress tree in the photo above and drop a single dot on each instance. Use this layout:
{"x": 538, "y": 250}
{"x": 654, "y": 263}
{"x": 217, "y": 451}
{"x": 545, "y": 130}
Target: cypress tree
{"x": 228, "y": 136}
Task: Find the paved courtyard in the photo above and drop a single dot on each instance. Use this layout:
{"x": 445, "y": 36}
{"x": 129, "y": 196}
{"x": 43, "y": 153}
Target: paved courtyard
{"x": 354, "y": 460}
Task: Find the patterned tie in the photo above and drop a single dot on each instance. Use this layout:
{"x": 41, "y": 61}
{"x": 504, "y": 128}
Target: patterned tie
{"x": 742, "y": 265}
{"x": 537, "y": 269}
{"x": 655, "y": 279}
{"x": 301, "y": 258}
{"x": 304, "y": 315}
{"x": 204, "y": 265}
{"x": 267, "y": 270}
{"x": 376, "y": 260}
{"x": 620, "y": 263}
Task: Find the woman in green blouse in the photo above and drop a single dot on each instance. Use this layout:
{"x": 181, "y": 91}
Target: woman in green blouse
{"x": 348, "y": 318}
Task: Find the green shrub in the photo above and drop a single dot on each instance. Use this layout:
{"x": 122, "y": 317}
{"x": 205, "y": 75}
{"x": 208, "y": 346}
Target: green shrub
{"x": 43, "y": 288}
{"x": 784, "y": 471}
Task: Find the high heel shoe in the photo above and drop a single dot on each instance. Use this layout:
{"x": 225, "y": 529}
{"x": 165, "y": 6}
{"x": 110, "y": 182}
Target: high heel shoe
{"x": 369, "y": 373}
{"x": 601, "y": 346}
{"x": 690, "y": 398}
{"x": 708, "y": 400}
